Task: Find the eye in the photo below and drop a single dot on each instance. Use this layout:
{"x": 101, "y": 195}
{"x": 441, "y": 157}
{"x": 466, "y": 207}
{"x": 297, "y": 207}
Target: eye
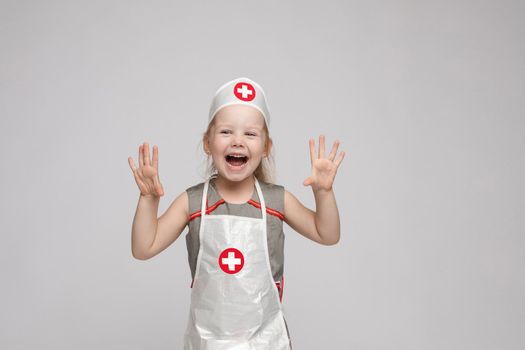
{"x": 225, "y": 131}
{"x": 251, "y": 134}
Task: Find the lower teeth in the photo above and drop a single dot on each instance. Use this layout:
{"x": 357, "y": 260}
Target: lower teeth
{"x": 236, "y": 164}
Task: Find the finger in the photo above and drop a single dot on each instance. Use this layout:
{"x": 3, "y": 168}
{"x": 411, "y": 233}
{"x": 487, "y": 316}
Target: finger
{"x": 321, "y": 147}
{"x": 339, "y": 159}
{"x": 334, "y": 150}
{"x": 308, "y": 181}
{"x": 155, "y": 157}
{"x": 312, "y": 151}
{"x": 136, "y": 171}
{"x": 141, "y": 158}
{"x": 136, "y": 174}
{"x": 146, "y": 154}
{"x": 142, "y": 186}
{"x": 132, "y": 164}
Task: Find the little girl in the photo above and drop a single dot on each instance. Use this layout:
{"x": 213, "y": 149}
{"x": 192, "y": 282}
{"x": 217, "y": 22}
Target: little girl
{"x": 235, "y": 239}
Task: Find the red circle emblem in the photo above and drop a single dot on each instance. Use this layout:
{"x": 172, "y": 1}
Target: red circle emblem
{"x": 244, "y": 91}
{"x": 231, "y": 260}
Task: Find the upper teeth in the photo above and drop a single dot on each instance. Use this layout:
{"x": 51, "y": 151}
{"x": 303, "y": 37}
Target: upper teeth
{"x": 236, "y": 155}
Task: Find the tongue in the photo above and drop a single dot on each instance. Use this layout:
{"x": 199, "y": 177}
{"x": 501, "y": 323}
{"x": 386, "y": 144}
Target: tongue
{"x": 236, "y": 161}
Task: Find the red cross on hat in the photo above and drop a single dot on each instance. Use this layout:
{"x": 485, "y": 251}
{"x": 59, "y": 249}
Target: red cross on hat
{"x": 244, "y": 91}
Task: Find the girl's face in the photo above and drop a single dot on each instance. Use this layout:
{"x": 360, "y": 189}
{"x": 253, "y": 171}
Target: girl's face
{"x": 237, "y": 141}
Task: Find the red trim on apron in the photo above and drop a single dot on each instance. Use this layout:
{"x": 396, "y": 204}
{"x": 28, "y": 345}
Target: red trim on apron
{"x": 222, "y": 201}
{"x": 280, "y": 287}
{"x": 268, "y": 209}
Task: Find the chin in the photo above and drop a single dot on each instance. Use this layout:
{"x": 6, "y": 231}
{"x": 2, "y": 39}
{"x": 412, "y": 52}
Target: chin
{"x": 235, "y": 177}
{"x": 231, "y": 176}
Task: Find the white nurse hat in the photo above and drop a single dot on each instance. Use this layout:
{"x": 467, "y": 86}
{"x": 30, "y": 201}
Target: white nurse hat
{"x": 240, "y": 91}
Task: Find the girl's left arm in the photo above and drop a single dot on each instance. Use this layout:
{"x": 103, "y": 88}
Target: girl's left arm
{"x": 321, "y": 226}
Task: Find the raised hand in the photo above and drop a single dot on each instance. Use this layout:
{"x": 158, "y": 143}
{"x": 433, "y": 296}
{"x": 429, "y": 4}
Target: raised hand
{"x": 147, "y": 175}
{"x": 323, "y": 169}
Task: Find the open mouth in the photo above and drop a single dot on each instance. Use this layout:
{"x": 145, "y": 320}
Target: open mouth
{"x": 236, "y": 160}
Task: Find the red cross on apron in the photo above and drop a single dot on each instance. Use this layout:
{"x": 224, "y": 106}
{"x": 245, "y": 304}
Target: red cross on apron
{"x": 231, "y": 260}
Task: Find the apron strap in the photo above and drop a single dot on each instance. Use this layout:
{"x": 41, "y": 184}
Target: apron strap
{"x": 204, "y": 200}
{"x": 261, "y": 198}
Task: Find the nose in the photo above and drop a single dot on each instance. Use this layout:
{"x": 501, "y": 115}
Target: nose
{"x": 237, "y": 140}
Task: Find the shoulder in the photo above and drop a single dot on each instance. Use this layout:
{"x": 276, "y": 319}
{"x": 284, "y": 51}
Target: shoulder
{"x": 195, "y": 188}
{"x": 271, "y": 186}
{"x": 194, "y": 195}
{"x": 273, "y": 195}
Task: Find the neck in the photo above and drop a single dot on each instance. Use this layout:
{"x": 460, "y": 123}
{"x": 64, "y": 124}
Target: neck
{"x": 240, "y": 188}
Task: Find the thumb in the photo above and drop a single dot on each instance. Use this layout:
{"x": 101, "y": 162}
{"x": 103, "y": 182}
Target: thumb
{"x": 160, "y": 190}
{"x": 158, "y": 186}
{"x": 308, "y": 181}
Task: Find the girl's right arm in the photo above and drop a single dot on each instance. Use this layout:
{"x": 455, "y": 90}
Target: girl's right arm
{"x": 149, "y": 235}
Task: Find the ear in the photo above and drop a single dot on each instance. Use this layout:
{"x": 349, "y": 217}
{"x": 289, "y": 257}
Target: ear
{"x": 206, "y": 144}
{"x": 268, "y": 149}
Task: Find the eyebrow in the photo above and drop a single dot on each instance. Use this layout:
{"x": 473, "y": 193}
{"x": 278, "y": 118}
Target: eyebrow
{"x": 222, "y": 125}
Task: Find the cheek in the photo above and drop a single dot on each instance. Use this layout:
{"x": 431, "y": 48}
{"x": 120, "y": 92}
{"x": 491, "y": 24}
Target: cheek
{"x": 256, "y": 142}
{"x": 217, "y": 145}
{"x": 260, "y": 146}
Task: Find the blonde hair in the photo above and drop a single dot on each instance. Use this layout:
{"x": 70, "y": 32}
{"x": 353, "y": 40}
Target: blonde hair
{"x": 265, "y": 170}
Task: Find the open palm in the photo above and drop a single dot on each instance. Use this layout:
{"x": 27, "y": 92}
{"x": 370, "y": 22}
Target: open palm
{"x": 147, "y": 175}
{"x": 323, "y": 169}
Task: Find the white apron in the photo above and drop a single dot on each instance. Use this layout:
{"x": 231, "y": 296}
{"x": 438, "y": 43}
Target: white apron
{"x": 235, "y": 304}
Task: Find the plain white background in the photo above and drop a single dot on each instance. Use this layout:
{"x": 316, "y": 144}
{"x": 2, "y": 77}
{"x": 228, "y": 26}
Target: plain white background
{"x": 426, "y": 97}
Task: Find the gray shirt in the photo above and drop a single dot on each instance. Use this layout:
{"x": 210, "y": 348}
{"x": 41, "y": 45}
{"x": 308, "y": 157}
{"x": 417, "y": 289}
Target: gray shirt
{"x": 274, "y": 200}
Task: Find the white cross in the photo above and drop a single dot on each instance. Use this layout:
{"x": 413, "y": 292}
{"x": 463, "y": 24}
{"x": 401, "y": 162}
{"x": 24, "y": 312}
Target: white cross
{"x": 231, "y": 261}
{"x": 244, "y": 91}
